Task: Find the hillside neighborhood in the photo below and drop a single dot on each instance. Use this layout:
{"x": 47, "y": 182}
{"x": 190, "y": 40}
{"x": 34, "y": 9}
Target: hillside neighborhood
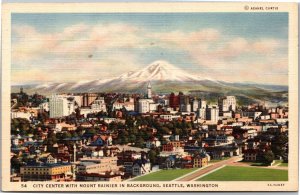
{"x": 125, "y": 136}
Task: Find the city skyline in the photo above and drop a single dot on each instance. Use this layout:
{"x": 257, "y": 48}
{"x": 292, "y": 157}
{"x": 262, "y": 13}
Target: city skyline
{"x": 84, "y": 47}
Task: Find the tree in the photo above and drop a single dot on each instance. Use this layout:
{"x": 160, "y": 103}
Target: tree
{"x": 42, "y": 116}
{"x": 79, "y": 130}
{"x": 165, "y": 130}
{"x": 74, "y": 134}
{"x": 91, "y": 131}
{"x": 124, "y": 140}
{"x": 35, "y": 137}
{"x": 152, "y": 156}
{"x": 67, "y": 135}
{"x": 20, "y": 123}
{"x": 177, "y": 131}
{"x": 132, "y": 138}
{"x": 278, "y": 145}
{"x": 51, "y": 139}
{"x": 15, "y": 163}
{"x": 268, "y": 157}
{"x": 139, "y": 142}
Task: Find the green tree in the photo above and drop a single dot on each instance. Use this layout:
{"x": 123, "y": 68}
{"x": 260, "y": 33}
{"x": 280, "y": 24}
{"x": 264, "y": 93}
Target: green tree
{"x": 177, "y": 131}
{"x": 132, "y": 138}
{"x": 152, "y": 156}
{"x": 140, "y": 142}
{"x": 124, "y": 140}
{"x": 15, "y": 163}
{"x": 51, "y": 139}
{"x": 278, "y": 145}
{"x": 66, "y": 135}
{"x": 165, "y": 130}
{"x": 268, "y": 157}
{"x": 91, "y": 131}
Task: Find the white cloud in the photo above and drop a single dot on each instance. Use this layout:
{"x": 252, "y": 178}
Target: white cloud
{"x": 73, "y": 50}
{"x": 84, "y": 52}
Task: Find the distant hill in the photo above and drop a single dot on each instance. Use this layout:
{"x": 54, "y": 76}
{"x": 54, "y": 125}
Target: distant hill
{"x": 166, "y": 78}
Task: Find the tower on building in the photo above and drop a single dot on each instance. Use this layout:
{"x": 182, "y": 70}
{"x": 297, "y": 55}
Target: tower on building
{"x": 149, "y": 90}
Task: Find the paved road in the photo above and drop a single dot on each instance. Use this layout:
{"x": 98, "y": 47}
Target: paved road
{"x": 201, "y": 172}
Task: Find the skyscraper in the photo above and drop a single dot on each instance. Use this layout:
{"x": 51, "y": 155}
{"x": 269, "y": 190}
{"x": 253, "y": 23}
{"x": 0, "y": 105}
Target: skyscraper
{"x": 212, "y": 114}
{"x": 149, "y": 91}
{"x": 88, "y": 99}
{"x": 174, "y": 101}
{"x": 60, "y": 106}
{"x": 227, "y": 103}
{"x": 195, "y": 105}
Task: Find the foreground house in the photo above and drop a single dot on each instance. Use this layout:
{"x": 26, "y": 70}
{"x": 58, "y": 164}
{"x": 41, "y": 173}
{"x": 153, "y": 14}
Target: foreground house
{"x": 250, "y": 155}
{"x": 141, "y": 167}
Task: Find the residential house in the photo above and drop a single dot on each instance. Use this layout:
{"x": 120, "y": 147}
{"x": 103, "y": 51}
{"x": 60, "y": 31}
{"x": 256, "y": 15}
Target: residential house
{"x": 250, "y": 155}
{"x": 154, "y": 142}
{"x": 168, "y": 162}
{"x": 141, "y": 167}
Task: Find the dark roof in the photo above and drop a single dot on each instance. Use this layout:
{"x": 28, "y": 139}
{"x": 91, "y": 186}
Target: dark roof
{"x": 140, "y": 162}
{"x": 251, "y": 151}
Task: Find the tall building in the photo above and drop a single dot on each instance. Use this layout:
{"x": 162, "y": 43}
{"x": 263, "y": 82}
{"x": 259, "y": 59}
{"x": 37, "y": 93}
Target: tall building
{"x": 78, "y": 100}
{"x": 174, "y": 101}
{"x": 202, "y": 113}
{"x": 201, "y": 109}
{"x": 227, "y": 103}
{"x": 147, "y": 105}
{"x": 212, "y": 114}
{"x": 182, "y": 98}
{"x": 61, "y": 105}
{"x": 149, "y": 91}
{"x": 136, "y": 104}
{"x": 99, "y": 104}
{"x": 184, "y": 103}
{"x": 202, "y": 104}
{"x": 88, "y": 99}
{"x": 196, "y": 104}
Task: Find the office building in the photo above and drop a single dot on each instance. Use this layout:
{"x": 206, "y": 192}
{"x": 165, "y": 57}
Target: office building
{"x": 61, "y": 105}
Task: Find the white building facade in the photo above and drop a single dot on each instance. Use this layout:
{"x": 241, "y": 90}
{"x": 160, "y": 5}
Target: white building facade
{"x": 212, "y": 114}
{"x": 227, "y": 103}
{"x": 61, "y": 105}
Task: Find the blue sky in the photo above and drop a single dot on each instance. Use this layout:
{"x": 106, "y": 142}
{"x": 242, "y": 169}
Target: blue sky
{"x": 234, "y": 47}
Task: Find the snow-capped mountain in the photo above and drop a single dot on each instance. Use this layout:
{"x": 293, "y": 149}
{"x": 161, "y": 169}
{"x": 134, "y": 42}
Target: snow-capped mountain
{"x": 159, "y": 71}
{"x": 165, "y": 78}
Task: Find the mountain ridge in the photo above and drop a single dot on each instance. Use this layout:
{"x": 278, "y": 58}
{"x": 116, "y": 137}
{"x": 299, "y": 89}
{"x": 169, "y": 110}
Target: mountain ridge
{"x": 165, "y": 78}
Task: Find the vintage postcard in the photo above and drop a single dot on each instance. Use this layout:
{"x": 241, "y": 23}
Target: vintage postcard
{"x": 149, "y": 97}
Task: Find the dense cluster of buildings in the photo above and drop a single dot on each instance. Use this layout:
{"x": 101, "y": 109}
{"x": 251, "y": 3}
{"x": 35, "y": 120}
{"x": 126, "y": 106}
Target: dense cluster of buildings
{"x": 84, "y": 137}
